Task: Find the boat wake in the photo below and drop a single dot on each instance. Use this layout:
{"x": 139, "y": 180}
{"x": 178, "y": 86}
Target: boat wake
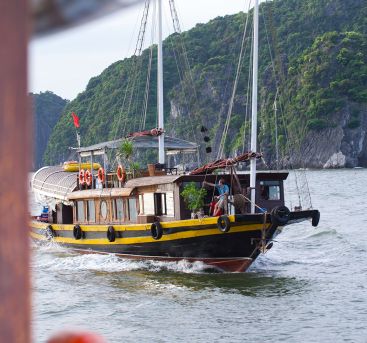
{"x": 56, "y": 258}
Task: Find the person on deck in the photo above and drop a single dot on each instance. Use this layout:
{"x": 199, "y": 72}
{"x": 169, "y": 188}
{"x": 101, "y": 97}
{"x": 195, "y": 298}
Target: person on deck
{"x": 223, "y": 191}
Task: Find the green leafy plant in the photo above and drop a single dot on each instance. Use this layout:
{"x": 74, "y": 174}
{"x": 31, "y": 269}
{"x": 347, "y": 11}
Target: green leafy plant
{"x": 193, "y": 196}
{"x": 126, "y": 149}
{"x": 134, "y": 166}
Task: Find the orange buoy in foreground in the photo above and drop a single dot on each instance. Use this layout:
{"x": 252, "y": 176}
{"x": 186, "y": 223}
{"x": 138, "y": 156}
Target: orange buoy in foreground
{"x": 76, "y": 337}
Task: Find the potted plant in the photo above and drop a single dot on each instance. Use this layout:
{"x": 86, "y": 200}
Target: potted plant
{"x": 126, "y": 149}
{"x": 125, "y": 152}
{"x": 194, "y": 199}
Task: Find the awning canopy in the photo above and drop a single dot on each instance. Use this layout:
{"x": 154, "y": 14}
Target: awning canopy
{"x": 171, "y": 145}
{"x": 54, "y": 182}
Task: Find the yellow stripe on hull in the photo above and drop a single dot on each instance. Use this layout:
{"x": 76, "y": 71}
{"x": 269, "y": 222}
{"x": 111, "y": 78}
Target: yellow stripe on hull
{"x": 131, "y": 227}
{"x": 146, "y": 239}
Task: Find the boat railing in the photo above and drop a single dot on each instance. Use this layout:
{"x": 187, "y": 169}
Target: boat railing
{"x": 112, "y": 180}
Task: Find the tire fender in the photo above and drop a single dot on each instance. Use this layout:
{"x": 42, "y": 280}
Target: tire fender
{"x": 111, "y": 234}
{"x": 223, "y": 224}
{"x": 77, "y": 232}
{"x": 280, "y": 215}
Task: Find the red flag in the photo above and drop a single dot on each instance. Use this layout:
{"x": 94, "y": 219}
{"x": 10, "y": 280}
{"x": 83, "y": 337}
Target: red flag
{"x": 76, "y": 119}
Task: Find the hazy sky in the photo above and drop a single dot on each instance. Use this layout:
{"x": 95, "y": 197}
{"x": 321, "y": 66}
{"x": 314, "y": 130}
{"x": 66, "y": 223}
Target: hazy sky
{"x": 63, "y": 63}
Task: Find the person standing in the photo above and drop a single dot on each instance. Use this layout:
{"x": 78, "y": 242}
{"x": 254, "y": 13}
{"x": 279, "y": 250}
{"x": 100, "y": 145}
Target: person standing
{"x": 223, "y": 192}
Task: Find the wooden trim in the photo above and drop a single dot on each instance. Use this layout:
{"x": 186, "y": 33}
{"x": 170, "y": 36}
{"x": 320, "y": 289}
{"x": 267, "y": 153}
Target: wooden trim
{"x": 15, "y": 153}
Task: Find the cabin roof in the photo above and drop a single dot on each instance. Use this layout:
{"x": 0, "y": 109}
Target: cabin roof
{"x": 101, "y": 193}
{"x": 152, "y": 180}
{"x": 172, "y": 145}
{"x": 54, "y": 182}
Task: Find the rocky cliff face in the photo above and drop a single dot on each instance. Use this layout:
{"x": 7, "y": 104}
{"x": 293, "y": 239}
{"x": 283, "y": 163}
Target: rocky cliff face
{"x": 318, "y": 76}
{"x": 336, "y": 147}
{"x": 47, "y": 109}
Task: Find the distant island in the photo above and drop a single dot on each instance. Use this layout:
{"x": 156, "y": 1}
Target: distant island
{"x": 319, "y": 54}
{"x": 47, "y": 110}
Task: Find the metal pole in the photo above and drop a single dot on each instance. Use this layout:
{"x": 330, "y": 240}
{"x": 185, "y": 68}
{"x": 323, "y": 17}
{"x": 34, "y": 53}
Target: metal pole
{"x": 15, "y": 152}
{"x": 160, "y": 86}
{"x": 104, "y": 167}
{"x": 91, "y": 168}
{"x": 254, "y": 106}
{"x": 276, "y": 134}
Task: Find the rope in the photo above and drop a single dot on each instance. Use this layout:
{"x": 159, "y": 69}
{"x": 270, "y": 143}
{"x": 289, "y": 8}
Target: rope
{"x": 147, "y": 84}
{"x": 231, "y": 103}
{"x": 263, "y": 235}
{"x": 185, "y": 64}
{"x": 247, "y": 114}
{"x": 133, "y": 71}
{"x": 306, "y": 193}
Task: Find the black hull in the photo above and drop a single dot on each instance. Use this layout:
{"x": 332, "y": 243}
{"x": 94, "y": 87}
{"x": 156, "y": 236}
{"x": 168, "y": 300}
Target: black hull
{"x": 240, "y": 244}
{"x": 199, "y": 240}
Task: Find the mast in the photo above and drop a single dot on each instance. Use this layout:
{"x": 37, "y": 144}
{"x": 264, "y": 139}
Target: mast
{"x": 254, "y": 106}
{"x": 276, "y": 131}
{"x": 161, "y": 156}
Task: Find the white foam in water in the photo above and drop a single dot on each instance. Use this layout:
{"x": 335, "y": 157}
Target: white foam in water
{"x": 182, "y": 266}
{"x": 109, "y": 262}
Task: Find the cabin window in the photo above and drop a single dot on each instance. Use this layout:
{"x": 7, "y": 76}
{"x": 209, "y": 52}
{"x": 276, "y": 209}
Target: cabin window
{"x": 132, "y": 209}
{"x": 160, "y": 207}
{"x": 80, "y": 211}
{"x": 170, "y": 204}
{"x": 118, "y": 209}
{"x": 103, "y": 209}
{"x": 141, "y": 204}
{"x": 270, "y": 190}
{"x": 148, "y": 202}
{"x": 91, "y": 211}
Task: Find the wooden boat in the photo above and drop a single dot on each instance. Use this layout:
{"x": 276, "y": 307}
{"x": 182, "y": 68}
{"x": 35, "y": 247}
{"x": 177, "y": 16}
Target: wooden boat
{"x": 145, "y": 217}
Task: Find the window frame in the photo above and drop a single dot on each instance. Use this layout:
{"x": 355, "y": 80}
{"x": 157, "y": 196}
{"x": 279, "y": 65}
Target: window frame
{"x": 101, "y": 217}
{"x": 128, "y": 209}
{"x": 88, "y": 210}
{"x": 79, "y": 220}
{"x": 163, "y": 204}
{"x": 115, "y": 211}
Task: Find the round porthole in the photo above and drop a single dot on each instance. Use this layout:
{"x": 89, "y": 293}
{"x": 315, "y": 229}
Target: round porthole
{"x": 103, "y": 209}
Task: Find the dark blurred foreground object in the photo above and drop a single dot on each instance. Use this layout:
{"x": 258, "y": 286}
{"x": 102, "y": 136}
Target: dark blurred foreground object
{"x": 15, "y": 147}
{"x": 53, "y": 15}
{"x": 76, "y": 337}
{"x": 15, "y": 152}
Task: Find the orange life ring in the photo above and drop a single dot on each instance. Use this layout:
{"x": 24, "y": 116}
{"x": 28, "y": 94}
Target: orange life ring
{"x": 121, "y": 173}
{"x": 88, "y": 177}
{"x": 101, "y": 175}
{"x": 81, "y": 177}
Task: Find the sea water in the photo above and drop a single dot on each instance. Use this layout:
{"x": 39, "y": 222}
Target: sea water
{"x": 310, "y": 287}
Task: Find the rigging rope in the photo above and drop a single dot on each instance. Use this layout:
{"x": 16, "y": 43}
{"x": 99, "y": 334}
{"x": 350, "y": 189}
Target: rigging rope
{"x": 131, "y": 79}
{"x": 184, "y": 63}
{"x": 147, "y": 84}
{"x": 306, "y": 195}
{"x": 220, "y": 153}
{"x": 247, "y": 113}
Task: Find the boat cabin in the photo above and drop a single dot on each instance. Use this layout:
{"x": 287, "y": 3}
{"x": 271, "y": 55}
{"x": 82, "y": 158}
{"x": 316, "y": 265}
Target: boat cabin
{"x": 149, "y": 198}
{"x": 145, "y": 195}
